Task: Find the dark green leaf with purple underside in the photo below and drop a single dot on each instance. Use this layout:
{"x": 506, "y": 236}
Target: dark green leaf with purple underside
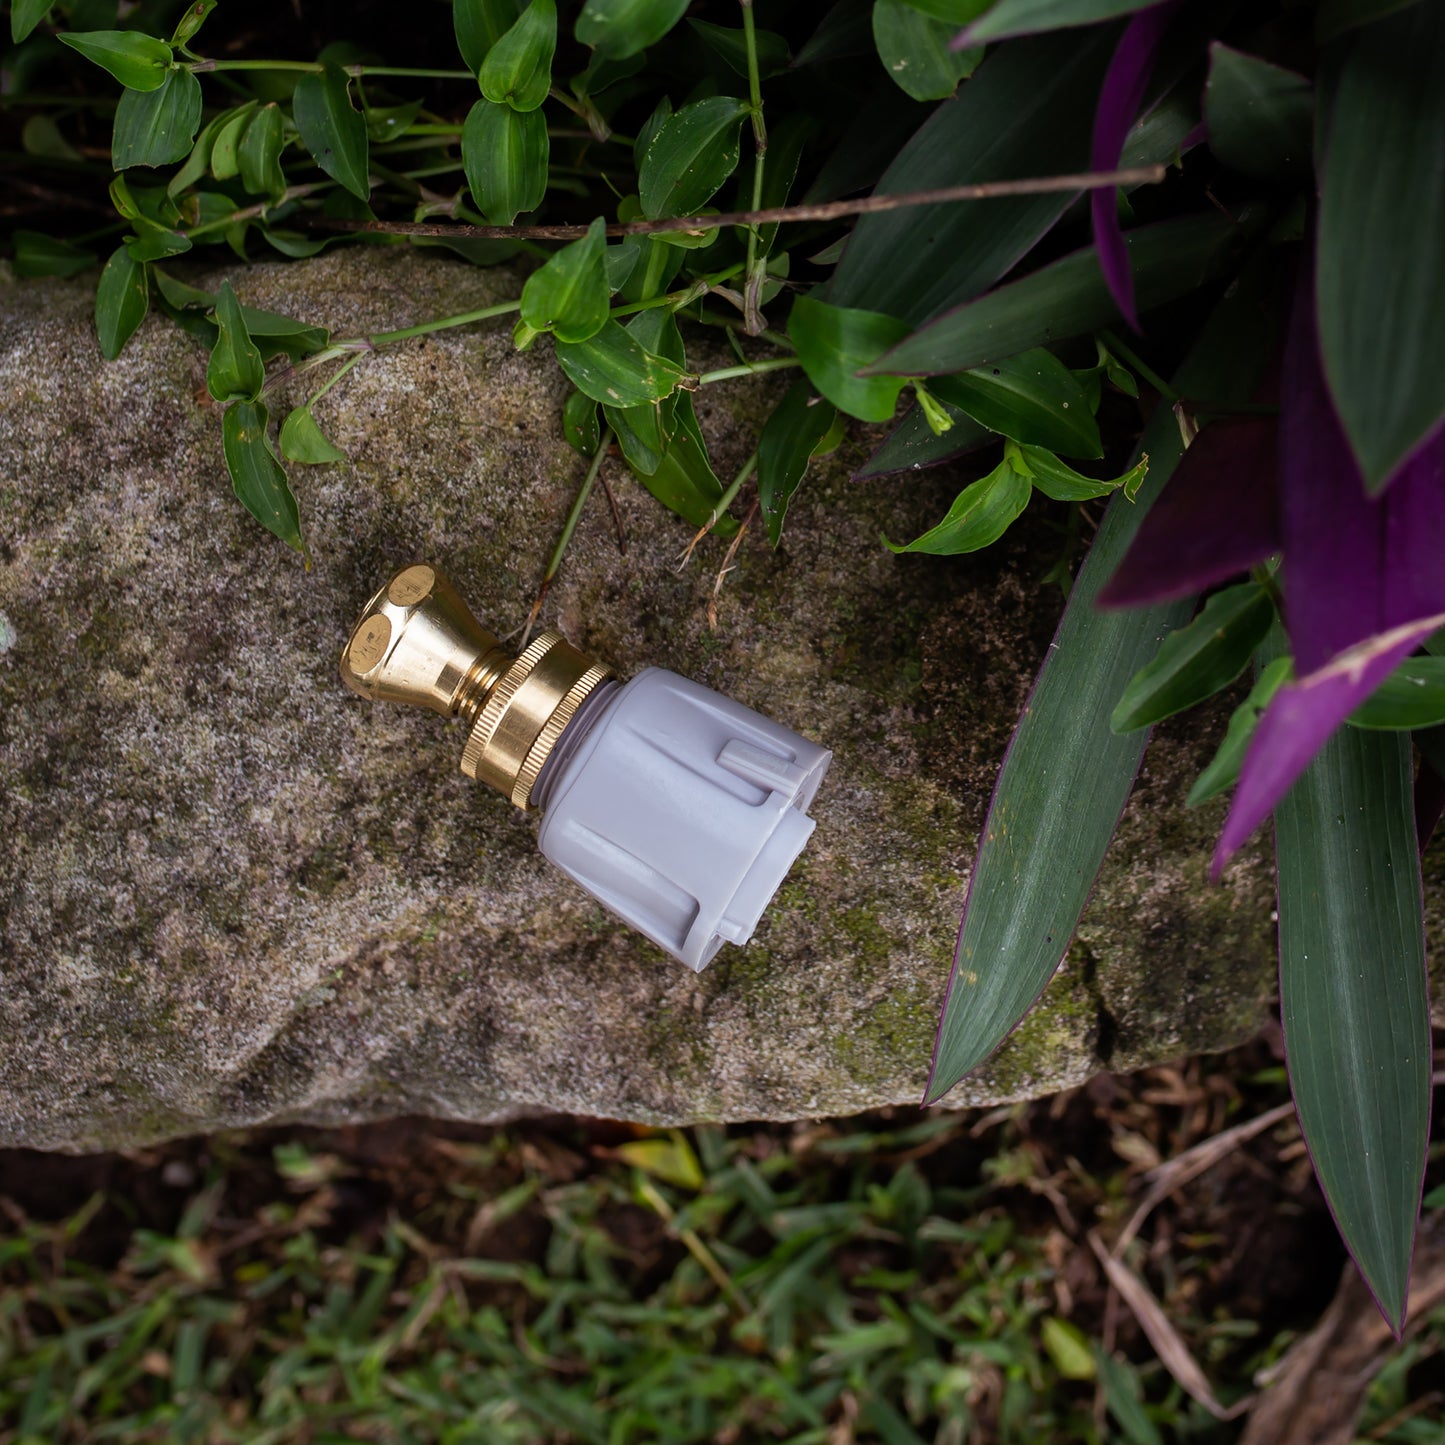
{"x": 1037, "y": 861}
{"x": 1030, "y": 17}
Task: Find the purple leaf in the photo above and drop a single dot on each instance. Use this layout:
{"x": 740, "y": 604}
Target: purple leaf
{"x": 1355, "y": 565}
{"x": 1299, "y": 721}
{"x": 1218, "y": 515}
{"x": 1119, "y": 101}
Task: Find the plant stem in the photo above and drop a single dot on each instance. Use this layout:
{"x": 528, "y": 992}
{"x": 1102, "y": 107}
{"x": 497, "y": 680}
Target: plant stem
{"x": 245, "y": 213}
{"x": 340, "y": 372}
{"x": 315, "y": 67}
{"x": 465, "y": 318}
{"x": 568, "y": 528}
{"x": 1130, "y": 357}
{"x": 752, "y": 368}
{"x": 753, "y": 285}
{"x": 723, "y": 503}
{"x": 695, "y": 292}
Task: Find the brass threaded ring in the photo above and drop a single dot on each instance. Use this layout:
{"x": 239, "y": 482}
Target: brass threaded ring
{"x": 563, "y": 714}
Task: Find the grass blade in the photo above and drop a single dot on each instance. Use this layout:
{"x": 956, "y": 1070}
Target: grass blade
{"x": 1353, "y": 995}
{"x": 1067, "y": 776}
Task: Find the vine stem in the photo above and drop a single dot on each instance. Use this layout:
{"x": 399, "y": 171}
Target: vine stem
{"x": 315, "y": 67}
{"x": 723, "y": 503}
{"x": 568, "y": 528}
{"x": 464, "y": 318}
{"x": 751, "y": 368}
{"x": 827, "y": 211}
{"x": 753, "y": 284}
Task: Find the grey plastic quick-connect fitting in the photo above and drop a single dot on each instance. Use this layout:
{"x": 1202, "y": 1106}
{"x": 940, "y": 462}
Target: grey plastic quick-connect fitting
{"x": 679, "y": 809}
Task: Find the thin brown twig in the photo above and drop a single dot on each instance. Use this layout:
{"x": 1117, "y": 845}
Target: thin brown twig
{"x": 824, "y": 211}
{"x": 727, "y": 566}
{"x": 616, "y": 514}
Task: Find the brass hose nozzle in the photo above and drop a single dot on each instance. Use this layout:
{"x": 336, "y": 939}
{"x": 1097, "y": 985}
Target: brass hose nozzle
{"x": 417, "y": 642}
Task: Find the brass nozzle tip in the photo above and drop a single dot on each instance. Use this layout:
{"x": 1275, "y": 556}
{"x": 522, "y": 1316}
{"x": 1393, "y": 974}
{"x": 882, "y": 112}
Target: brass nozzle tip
{"x": 416, "y": 642}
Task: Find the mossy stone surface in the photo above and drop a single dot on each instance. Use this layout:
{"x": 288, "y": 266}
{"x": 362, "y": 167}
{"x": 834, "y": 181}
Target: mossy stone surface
{"x": 232, "y": 892}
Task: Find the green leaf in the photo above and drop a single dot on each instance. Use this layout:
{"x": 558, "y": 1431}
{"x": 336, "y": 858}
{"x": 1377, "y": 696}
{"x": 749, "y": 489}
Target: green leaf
{"x": 569, "y": 296}
{"x": 390, "y": 122}
{"x": 692, "y": 153}
{"x": 157, "y": 127}
{"x": 671, "y": 1159}
{"x": 1353, "y": 995}
{"x": 332, "y": 130}
{"x": 982, "y": 512}
{"x": 260, "y": 153}
{"x": 1123, "y": 1394}
{"x": 644, "y": 432}
{"x": 789, "y": 437}
{"x": 154, "y": 243}
{"x": 1069, "y": 297}
{"x": 684, "y": 481}
{"x": 580, "y": 425}
{"x": 1335, "y": 17}
{"x": 834, "y": 343}
{"x": 1027, "y": 17}
{"x": 505, "y": 154}
{"x": 121, "y": 301}
{"x": 1054, "y": 479}
{"x": 479, "y": 24}
{"x": 40, "y": 255}
{"x": 1260, "y": 116}
{"x": 619, "y": 28}
{"x": 1380, "y": 278}
{"x": 192, "y": 18}
{"x": 518, "y": 68}
{"x": 235, "y": 368}
{"x": 302, "y": 440}
{"x": 1068, "y": 1347}
{"x": 41, "y": 137}
{"x": 916, "y": 51}
{"x": 1222, "y": 770}
{"x": 258, "y": 478}
{"x": 1037, "y": 859}
{"x": 1032, "y": 398}
{"x": 1413, "y": 696}
{"x": 225, "y": 160}
{"x": 1027, "y": 111}
{"x": 913, "y": 445}
{"x": 138, "y": 61}
{"x": 1196, "y": 661}
{"x": 731, "y": 44}
{"x": 612, "y": 368}
{"x": 25, "y": 15}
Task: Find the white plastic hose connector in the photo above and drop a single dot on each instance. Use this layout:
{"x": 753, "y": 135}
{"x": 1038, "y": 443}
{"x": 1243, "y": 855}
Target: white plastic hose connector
{"x": 680, "y": 810}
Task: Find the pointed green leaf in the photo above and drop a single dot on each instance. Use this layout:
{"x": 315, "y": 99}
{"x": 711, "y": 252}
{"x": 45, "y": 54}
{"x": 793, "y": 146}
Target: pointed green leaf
{"x": 1054, "y": 479}
{"x": 834, "y": 343}
{"x": 138, "y": 61}
{"x": 157, "y": 127}
{"x": 332, "y": 129}
{"x": 917, "y": 52}
{"x": 1032, "y": 398}
{"x": 518, "y": 68}
{"x": 684, "y": 481}
{"x": 121, "y": 301}
{"x": 1413, "y": 696}
{"x": 569, "y": 296}
{"x": 260, "y": 153}
{"x": 1037, "y": 859}
{"x": 1196, "y": 661}
{"x": 1380, "y": 280}
{"x": 693, "y": 152}
{"x": 619, "y": 28}
{"x": 1353, "y": 995}
{"x": 479, "y": 25}
{"x": 1027, "y": 111}
{"x": 505, "y": 155}
{"x": 25, "y": 15}
{"x": 612, "y": 368}
{"x": 730, "y": 42}
{"x": 235, "y": 368}
{"x": 40, "y": 255}
{"x": 580, "y": 425}
{"x": 258, "y": 478}
{"x": 192, "y": 18}
{"x": 225, "y": 160}
{"x": 797, "y": 425}
{"x": 154, "y": 243}
{"x": 1260, "y": 116}
{"x": 982, "y": 512}
{"x": 1222, "y": 770}
{"x": 1069, "y": 297}
{"x": 302, "y": 440}
{"x": 1027, "y": 17}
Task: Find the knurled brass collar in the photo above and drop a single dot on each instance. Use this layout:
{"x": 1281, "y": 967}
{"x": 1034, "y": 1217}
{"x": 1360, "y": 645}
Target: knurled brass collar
{"x": 525, "y": 714}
